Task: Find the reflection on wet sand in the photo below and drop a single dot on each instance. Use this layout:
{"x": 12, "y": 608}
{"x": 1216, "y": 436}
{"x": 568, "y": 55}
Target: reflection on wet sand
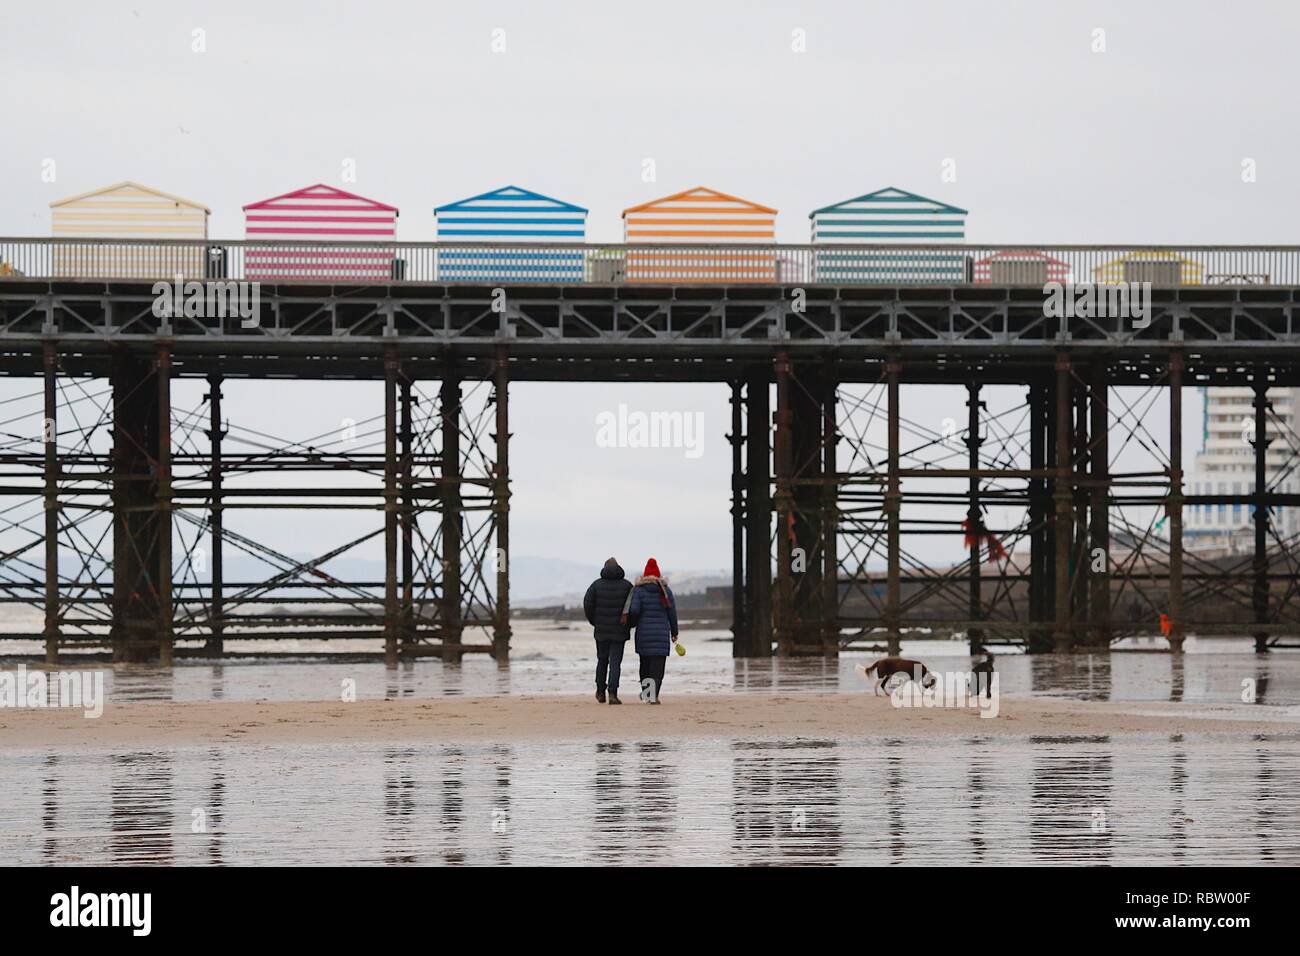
{"x": 399, "y": 805}
{"x": 785, "y": 802}
{"x": 612, "y": 814}
{"x": 141, "y": 808}
{"x": 1052, "y": 800}
{"x": 1070, "y": 801}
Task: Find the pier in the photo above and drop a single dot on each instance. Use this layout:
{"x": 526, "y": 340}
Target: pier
{"x": 831, "y": 476}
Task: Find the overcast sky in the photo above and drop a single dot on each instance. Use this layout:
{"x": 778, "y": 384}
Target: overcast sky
{"x": 1050, "y": 141}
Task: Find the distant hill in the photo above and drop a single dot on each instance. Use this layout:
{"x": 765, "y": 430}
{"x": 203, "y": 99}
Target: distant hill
{"x": 534, "y": 581}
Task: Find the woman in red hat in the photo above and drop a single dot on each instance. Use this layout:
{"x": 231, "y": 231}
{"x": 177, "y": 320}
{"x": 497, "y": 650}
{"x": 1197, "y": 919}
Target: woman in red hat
{"x": 653, "y": 610}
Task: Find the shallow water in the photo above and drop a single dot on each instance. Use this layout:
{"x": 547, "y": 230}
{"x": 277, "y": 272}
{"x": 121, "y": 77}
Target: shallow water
{"x": 546, "y": 659}
{"x": 1130, "y": 800}
{"x": 1051, "y": 801}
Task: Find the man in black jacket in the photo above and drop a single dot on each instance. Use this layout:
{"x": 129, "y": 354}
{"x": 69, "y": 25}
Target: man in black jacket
{"x": 603, "y": 605}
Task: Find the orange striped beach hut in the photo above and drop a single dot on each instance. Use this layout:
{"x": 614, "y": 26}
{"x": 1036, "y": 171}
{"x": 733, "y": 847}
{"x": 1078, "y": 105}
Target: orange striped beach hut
{"x": 706, "y": 235}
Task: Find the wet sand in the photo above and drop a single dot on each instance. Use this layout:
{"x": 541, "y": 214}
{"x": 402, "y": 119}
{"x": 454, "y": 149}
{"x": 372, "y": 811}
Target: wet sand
{"x": 836, "y": 716}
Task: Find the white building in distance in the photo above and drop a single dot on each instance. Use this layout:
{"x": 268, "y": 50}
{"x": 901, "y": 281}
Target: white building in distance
{"x": 1225, "y": 465}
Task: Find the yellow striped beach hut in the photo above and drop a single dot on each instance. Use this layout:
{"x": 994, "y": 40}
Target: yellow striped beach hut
{"x": 712, "y": 232}
{"x": 126, "y": 210}
{"x": 1157, "y": 266}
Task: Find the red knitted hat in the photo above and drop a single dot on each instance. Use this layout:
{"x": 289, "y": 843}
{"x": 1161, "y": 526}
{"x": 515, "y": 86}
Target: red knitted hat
{"x": 651, "y": 569}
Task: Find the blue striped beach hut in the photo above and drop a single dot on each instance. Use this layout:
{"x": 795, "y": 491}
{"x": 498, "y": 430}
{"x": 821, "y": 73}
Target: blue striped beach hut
{"x": 889, "y": 216}
{"x": 516, "y": 216}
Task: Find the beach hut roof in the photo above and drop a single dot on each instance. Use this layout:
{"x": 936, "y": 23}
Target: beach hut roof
{"x": 1036, "y": 255}
{"x": 510, "y": 192}
{"x": 320, "y": 191}
{"x": 892, "y": 194}
{"x": 699, "y": 192}
{"x": 126, "y": 183}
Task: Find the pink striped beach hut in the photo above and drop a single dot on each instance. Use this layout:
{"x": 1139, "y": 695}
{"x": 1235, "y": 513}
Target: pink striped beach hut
{"x": 325, "y": 220}
{"x": 1021, "y": 267}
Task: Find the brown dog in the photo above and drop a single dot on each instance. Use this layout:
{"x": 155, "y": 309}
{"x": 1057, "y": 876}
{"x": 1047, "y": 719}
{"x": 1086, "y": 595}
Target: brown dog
{"x": 887, "y": 667}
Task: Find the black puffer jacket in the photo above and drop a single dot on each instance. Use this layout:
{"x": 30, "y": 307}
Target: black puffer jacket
{"x": 604, "y": 601}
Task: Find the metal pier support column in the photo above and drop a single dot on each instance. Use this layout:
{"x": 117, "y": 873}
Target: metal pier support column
{"x": 452, "y": 625}
{"x": 830, "y": 517}
{"x": 216, "y": 640}
{"x": 1175, "y": 507}
{"x": 893, "y": 512}
{"x": 501, "y": 508}
{"x": 1099, "y": 510}
{"x": 974, "y": 515}
{"x": 810, "y": 613}
{"x": 50, "y": 433}
{"x": 164, "y": 504}
{"x": 406, "y": 515}
{"x": 391, "y": 611}
{"x": 1040, "y": 573}
{"x": 758, "y": 516}
{"x": 135, "y": 616}
{"x": 1259, "y": 593}
{"x": 783, "y": 457}
{"x": 1061, "y": 494}
{"x": 740, "y": 639}
{"x": 1081, "y": 581}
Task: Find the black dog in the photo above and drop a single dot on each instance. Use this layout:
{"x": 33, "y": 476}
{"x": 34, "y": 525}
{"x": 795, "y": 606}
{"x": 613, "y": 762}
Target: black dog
{"x": 982, "y": 675}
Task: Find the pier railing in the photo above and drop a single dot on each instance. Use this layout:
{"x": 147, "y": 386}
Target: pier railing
{"x": 490, "y": 264}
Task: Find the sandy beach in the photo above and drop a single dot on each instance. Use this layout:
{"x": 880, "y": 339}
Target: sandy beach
{"x": 574, "y": 718}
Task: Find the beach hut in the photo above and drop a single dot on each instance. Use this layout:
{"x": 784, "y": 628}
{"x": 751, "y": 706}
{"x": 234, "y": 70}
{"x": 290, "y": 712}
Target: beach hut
{"x": 1021, "y": 267}
{"x": 1159, "y": 267}
{"x": 517, "y": 217}
{"x": 127, "y": 210}
{"x": 712, "y": 232}
{"x": 331, "y": 224}
{"x": 890, "y": 217}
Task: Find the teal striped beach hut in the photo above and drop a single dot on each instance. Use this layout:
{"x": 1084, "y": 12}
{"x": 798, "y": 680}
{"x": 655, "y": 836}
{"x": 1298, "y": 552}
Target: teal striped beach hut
{"x": 516, "y": 216}
{"x": 889, "y": 216}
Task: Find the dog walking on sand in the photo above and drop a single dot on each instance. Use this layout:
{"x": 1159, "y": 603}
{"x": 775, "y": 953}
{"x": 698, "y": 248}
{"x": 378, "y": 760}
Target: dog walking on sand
{"x": 887, "y": 667}
{"x": 982, "y": 676}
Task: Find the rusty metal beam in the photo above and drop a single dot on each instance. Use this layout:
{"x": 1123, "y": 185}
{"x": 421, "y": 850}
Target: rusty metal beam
{"x": 163, "y": 528}
{"x": 406, "y": 520}
{"x": 50, "y": 434}
{"x": 1260, "y": 590}
{"x": 740, "y": 634}
{"x": 450, "y": 598}
{"x": 974, "y": 514}
{"x": 1099, "y": 507}
{"x": 1040, "y": 551}
{"x": 392, "y": 623}
{"x": 830, "y": 515}
{"x": 758, "y": 515}
{"x": 215, "y": 433}
{"x": 783, "y": 500}
{"x": 1063, "y": 497}
{"x": 893, "y": 510}
{"x": 1175, "y": 505}
{"x": 501, "y": 506}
